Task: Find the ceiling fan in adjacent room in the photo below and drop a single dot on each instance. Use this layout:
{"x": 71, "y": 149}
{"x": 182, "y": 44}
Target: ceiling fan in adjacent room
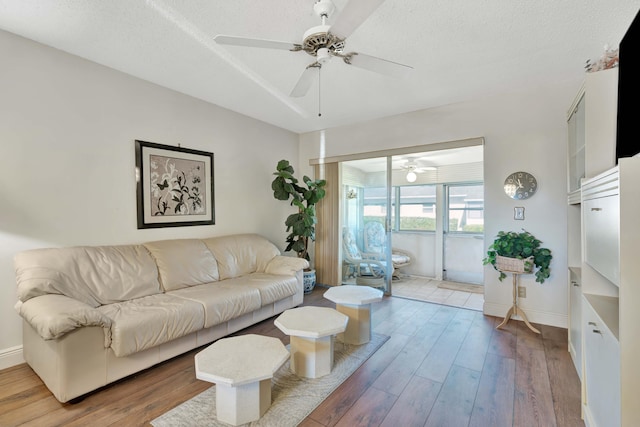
{"x": 414, "y": 167}
{"x": 327, "y": 41}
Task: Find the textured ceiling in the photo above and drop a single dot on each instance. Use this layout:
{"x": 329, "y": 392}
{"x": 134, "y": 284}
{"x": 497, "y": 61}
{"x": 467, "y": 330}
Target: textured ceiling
{"x": 460, "y": 50}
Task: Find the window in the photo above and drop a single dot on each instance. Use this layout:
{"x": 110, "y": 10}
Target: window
{"x": 417, "y": 208}
{"x": 465, "y": 208}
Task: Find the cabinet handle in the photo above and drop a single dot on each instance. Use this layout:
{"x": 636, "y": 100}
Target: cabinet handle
{"x": 574, "y": 283}
{"x": 592, "y": 323}
{"x": 596, "y": 209}
{"x": 597, "y": 331}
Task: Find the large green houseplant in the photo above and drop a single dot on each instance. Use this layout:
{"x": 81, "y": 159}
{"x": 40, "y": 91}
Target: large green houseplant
{"x": 302, "y": 224}
{"x": 522, "y": 246}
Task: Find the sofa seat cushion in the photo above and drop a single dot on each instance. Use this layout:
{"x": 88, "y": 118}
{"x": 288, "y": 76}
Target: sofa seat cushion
{"x": 271, "y": 287}
{"x": 221, "y": 301}
{"x": 147, "y": 322}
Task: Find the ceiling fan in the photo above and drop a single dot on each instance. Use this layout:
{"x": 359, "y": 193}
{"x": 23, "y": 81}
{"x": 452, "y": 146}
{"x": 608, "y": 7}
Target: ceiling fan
{"x": 326, "y": 41}
{"x": 414, "y": 167}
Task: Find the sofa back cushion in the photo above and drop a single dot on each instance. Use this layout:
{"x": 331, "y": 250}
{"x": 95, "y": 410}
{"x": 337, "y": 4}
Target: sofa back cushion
{"x": 95, "y": 275}
{"x": 241, "y": 254}
{"x": 183, "y": 262}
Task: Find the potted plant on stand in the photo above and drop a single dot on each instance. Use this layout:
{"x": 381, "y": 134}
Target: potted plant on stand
{"x": 519, "y": 252}
{"x": 302, "y": 224}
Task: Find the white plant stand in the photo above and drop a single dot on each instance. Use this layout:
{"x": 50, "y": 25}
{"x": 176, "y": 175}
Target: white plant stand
{"x": 515, "y": 310}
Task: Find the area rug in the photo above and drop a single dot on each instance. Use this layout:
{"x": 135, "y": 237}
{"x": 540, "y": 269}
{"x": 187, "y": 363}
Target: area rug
{"x": 293, "y": 398}
{"x": 464, "y": 287}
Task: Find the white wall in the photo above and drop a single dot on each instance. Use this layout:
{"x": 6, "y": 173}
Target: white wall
{"x": 67, "y": 131}
{"x": 523, "y": 131}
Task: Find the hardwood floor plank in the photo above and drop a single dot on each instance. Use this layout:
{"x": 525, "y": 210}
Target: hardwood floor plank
{"x": 400, "y": 371}
{"x": 369, "y": 410}
{"x": 308, "y": 422}
{"x": 494, "y": 402}
{"x": 533, "y": 404}
{"x": 454, "y": 404}
{"x": 338, "y": 402}
{"x": 439, "y": 360}
{"x": 144, "y": 404}
{"x": 17, "y": 384}
{"x": 412, "y": 325}
{"x": 413, "y": 406}
{"x": 18, "y": 373}
{"x": 474, "y": 347}
{"x": 36, "y": 412}
{"x": 503, "y": 341}
{"x": 564, "y": 381}
{"x": 19, "y": 399}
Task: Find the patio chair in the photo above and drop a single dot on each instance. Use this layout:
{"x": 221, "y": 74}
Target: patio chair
{"x": 375, "y": 242}
{"x": 366, "y": 267}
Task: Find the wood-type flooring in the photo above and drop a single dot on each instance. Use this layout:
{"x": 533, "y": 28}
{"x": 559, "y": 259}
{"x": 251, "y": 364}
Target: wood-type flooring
{"x": 442, "y": 366}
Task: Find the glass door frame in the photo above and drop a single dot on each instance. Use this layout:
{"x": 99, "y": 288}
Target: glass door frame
{"x": 359, "y": 232}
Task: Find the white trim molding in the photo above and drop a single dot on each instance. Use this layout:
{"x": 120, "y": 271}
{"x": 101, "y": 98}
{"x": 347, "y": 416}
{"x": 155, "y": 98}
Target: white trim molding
{"x": 11, "y": 356}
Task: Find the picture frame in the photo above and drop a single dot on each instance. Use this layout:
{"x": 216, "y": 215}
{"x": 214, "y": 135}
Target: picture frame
{"x": 518, "y": 213}
{"x": 175, "y": 186}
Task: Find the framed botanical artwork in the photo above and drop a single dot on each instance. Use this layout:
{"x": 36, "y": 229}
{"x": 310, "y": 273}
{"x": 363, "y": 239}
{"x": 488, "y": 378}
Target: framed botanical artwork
{"x": 174, "y": 186}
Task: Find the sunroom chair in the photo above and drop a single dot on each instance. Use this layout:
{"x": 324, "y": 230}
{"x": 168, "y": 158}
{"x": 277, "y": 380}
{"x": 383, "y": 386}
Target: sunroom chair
{"x": 367, "y": 268}
{"x": 375, "y": 241}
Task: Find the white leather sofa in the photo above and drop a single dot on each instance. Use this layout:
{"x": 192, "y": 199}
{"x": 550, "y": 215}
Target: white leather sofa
{"x": 93, "y": 315}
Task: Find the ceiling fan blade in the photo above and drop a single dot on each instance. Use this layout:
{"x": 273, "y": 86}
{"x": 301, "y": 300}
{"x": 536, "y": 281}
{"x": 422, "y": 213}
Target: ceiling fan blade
{"x": 378, "y": 65}
{"x": 353, "y": 14}
{"x": 309, "y": 75}
{"x": 244, "y": 41}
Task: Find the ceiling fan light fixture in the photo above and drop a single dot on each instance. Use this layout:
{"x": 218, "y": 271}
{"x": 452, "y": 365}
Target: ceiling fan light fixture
{"x": 411, "y": 176}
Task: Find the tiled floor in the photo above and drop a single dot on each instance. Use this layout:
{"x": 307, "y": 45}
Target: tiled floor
{"x": 426, "y": 289}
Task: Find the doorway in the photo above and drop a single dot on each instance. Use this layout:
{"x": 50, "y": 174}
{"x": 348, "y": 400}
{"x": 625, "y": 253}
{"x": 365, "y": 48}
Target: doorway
{"x": 429, "y": 204}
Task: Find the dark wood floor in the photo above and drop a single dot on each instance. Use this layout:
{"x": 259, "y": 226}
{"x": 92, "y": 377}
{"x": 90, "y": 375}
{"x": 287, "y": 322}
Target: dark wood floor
{"x": 442, "y": 366}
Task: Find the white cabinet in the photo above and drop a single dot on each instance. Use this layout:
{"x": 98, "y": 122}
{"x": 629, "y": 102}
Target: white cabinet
{"x": 576, "y": 146}
{"x": 601, "y": 214}
{"x": 601, "y": 119}
{"x": 602, "y": 369}
{"x": 611, "y": 288}
{"x": 592, "y": 120}
{"x": 575, "y": 318}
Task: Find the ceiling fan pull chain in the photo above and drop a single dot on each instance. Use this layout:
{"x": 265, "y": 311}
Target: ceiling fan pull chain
{"x": 319, "y": 92}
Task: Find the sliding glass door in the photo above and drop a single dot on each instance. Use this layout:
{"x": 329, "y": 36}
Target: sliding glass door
{"x": 366, "y": 223}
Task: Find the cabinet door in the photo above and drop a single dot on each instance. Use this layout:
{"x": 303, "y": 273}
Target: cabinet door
{"x": 575, "y": 321}
{"x": 601, "y": 225}
{"x": 576, "y": 146}
{"x": 602, "y": 370}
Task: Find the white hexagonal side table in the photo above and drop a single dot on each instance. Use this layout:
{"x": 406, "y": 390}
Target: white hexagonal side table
{"x": 242, "y": 368}
{"x": 355, "y": 302}
{"x": 311, "y": 330}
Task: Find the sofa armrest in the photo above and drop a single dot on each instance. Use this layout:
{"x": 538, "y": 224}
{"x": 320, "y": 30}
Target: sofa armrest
{"x": 52, "y": 316}
{"x": 286, "y": 265}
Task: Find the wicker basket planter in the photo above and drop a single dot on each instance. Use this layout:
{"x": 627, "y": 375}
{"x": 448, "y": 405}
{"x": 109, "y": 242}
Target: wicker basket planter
{"x": 508, "y": 251}
{"x": 514, "y": 265}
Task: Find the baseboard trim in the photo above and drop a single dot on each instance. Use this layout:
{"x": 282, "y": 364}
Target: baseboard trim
{"x": 11, "y": 356}
{"x": 534, "y": 316}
